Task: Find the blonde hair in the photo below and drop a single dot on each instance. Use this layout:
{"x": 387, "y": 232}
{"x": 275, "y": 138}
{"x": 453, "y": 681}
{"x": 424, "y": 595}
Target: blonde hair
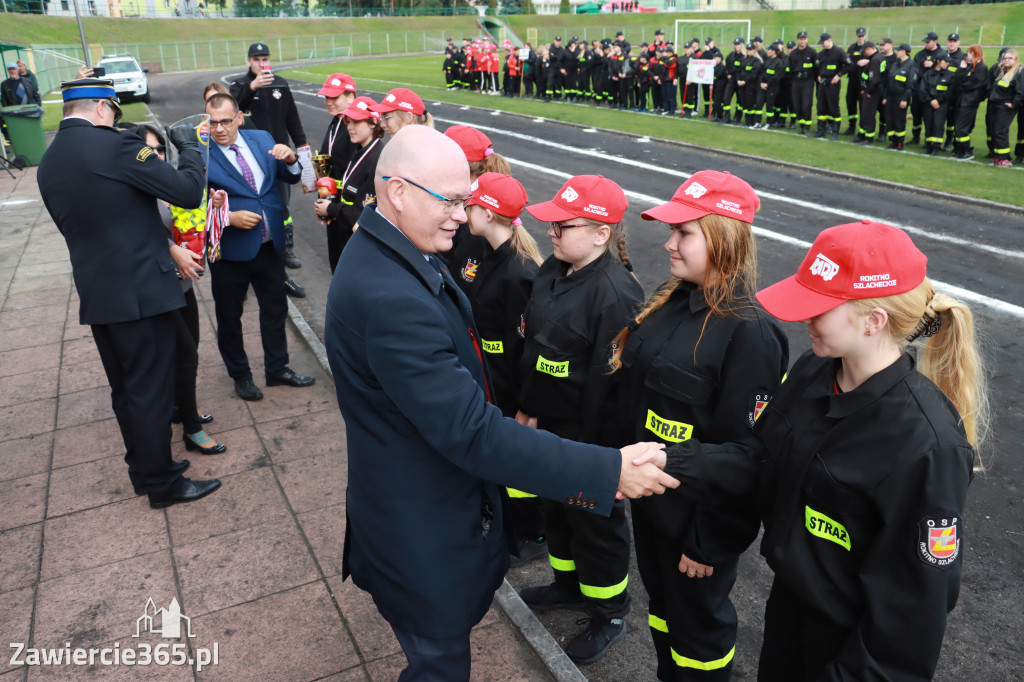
{"x": 492, "y": 163}
{"x": 216, "y": 87}
{"x": 1008, "y": 74}
{"x": 408, "y": 118}
{"x": 729, "y": 279}
{"x": 523, "y": 245}
{"x": 950, "y": 357}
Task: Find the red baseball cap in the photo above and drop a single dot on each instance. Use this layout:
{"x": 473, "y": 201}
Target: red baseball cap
{"x": 336, "y": 84}
{"x": 475, "y": 144}
{"x": 501, "y": 193}
{"x": 361, "y": 108}
{"x": 594, "y": 197}
{"x": 401, "y": 99}
{"x": 847, "y": 262}
{"x": 707, "y": 192}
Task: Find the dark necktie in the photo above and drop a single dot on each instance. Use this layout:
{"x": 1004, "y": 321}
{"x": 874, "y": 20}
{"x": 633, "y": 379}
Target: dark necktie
{"x": 243, "y": 165}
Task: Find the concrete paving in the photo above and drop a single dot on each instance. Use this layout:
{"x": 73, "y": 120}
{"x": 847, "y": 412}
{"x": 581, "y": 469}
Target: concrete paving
{"x": 255, "y": 566}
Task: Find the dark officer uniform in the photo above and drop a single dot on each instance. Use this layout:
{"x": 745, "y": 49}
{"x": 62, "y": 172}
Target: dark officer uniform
{"x": 670, "y": 391}
{"x": 925, "y": 60}
{"x": 936, "y": 84}
{"x": 733, "y": 67}
{"x": 861, "y": 495}
{"x": 774, "y": 104}
{"x": 803, "y": 65}
{"x": 570, "y": 323}
{"x": 100, "y": 186}
{"x": 751, "y": 95}
{"x": 855, "y": 53}
{"x": 974, "y": 88}
{"x": 900, "y": 81}
{"x": 355, "y": 190}
{"x": 831, "y": 63}
{"x": 872, "y": 90}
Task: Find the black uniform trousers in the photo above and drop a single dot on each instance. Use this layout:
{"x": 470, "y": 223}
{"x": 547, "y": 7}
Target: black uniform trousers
{"x": 803, "y": 97}
{"x": 668, "y": 96}
{"x": 784, "y": 100}
{"x": 693, "y": 622}
{"x": 705, "y": 90}
{"x": 186, "y": 360}
{"x": 772, "y": 105}
{"x": 869, "y": 115}
{"x": 895, "y": 119}
{"x": 732, "y": 89}
{"x": 627, "y": 96}
{"x": 1001, "y": 117}
{"x": 688, "y": 97}
{"x": 917, "y": 108}
{"x": 853, "y": 100}
{"x": 753, "y": 102}
{"x": 798, "y": 642}
{"x": 231, "y": 280}
{"x": 828, "y": 102}
{"x": 338, "y": 235}
{"x": 934, "y": 123}
{"x": 139, "y": 359}
{"x": 434, "y": 659}
{"x": 590, "y": 555}
{"x": 966, "y": 116}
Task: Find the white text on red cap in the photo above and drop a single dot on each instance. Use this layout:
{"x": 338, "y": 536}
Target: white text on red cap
{"x": 824, "y": 267}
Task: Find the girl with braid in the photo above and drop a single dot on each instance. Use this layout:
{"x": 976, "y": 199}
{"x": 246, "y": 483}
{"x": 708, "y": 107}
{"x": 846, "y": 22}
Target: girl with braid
{"x": 860, "y": 463}
{"x": 700, "y": 360}
{"x": 582, "y": 296}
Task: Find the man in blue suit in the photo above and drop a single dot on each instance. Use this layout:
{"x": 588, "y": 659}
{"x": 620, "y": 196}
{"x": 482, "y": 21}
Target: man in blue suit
{"x": 428, "y": 453}
{"x": 247, "y": 164}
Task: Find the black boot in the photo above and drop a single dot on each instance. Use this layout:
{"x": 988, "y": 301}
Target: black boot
{"x": 289, "y": 256}
{"x": 851, "y": 130}
{"x": 821, "y": 129}
{"x": 1018, "y": 153}
{"x": 948, "y": 143}
{"x": 834, "y": 127}
{"x": 916, "y": 139}
{"x": 791, "y": 125}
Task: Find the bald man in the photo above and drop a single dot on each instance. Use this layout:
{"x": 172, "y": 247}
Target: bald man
{"x": 429, "y": 455}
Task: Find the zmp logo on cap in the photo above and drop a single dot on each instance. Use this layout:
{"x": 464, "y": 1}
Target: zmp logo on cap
{"x": 824, "y": 267}
{"x": 696, "y": 190}
{"x": 570, "y": 195}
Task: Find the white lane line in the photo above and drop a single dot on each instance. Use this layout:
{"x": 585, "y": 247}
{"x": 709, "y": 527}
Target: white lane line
{"x": 965, "y": 295}
{"x": 850, "y": 215}
{"x": 19, "y": 202}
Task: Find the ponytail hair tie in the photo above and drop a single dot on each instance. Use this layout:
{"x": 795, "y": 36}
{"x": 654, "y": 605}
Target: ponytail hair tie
{"x": 488, "y": 152}
{"x": 517, "y": 223}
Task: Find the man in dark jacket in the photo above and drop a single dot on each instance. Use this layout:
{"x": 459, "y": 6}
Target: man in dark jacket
{"x": 427, "y": 450}
{"x": 832, "y": 62}
{"x": 101, "y": 186}
{"x": 268, "y": 100}
{"x": 17, "y": 90}
{"x": 872, "y": 90}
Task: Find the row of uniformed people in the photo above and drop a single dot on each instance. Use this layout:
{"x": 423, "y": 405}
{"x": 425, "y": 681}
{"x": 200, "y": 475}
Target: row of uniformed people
{"x": 572, "y": 349}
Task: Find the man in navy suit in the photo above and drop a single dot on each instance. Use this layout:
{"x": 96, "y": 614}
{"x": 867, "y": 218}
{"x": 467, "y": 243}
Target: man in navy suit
{"x": 247, "y": 164}
{"x": 428, "y": 453}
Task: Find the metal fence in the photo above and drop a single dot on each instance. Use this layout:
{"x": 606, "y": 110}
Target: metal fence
{"x": 216, "y": 54}
{"x": 176, "y": 9}
{"x": 987, "y": 34}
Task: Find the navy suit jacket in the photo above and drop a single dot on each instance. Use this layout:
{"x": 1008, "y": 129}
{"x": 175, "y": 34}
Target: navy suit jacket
{"x": 428, "y": 455}
{"x": 242, "y": 245}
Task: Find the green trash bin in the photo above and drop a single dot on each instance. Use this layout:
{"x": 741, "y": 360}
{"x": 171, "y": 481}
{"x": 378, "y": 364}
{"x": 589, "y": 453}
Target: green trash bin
{"x": 25, "y": 131}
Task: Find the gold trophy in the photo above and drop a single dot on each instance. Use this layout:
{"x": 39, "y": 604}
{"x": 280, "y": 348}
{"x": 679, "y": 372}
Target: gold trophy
{"x": 321, "y": 166}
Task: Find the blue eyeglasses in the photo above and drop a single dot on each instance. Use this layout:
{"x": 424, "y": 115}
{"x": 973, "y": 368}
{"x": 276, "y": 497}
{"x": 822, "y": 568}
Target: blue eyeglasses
{"x": 449, "y": 204}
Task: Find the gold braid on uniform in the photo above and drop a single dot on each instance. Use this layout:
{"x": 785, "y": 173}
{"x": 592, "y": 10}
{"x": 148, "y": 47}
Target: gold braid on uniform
{"x": 929, "y": 324}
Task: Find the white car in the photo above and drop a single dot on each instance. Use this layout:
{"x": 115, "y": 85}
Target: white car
{"x": 129, "y": 78}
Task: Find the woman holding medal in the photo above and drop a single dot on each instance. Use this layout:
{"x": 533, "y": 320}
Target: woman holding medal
{"x": 356, "y": 182}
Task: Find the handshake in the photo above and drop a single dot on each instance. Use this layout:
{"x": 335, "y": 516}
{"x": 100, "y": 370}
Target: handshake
{"x": 642, "y": 474}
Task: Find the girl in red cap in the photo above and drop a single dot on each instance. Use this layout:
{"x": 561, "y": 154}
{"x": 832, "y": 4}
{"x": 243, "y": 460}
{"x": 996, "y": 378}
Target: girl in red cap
{"x": 583, "y": 295}
{"x": 502, "y": 281}
{"x": 355, "y": 178}
{"x": 700, "y": 360}
{"x": 860, "y": 463}
{"x": 467, "y": 250}
{"x": 402, "y": 107}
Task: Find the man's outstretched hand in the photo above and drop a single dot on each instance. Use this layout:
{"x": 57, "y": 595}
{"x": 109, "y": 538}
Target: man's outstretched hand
{"x": 643, "y": 479}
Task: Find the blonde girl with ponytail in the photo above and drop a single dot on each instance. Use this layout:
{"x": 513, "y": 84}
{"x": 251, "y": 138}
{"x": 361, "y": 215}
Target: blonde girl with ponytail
{"x": 700, "y": 360}
{"x": 582, "y": 296}
{"x": 861, "y": 462}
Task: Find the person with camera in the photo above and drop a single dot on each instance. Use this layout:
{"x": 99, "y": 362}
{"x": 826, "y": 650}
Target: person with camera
{"x": 268, "y": 100}
{"x": 100, "y": 186}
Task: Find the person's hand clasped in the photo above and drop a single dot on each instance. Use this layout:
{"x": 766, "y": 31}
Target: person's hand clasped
{"x": 283, "y": 152}
{"x": 640, "y": 475}
{"x": 525, "y": 419}
{"x": 189, "y": 262}
{"x": 217, "y": 199}
{"x": 244, "y": 220}
{"x": 692, "y": 569}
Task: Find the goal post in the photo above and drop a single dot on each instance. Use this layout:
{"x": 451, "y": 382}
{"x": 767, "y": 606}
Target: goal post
{"x": 718, "y": 29}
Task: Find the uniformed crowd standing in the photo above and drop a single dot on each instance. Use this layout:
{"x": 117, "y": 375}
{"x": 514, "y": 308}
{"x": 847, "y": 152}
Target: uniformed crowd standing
{"x": 780, "y": 85}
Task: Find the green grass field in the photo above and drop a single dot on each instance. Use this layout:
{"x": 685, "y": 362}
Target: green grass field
{"x": 972, "y": 178}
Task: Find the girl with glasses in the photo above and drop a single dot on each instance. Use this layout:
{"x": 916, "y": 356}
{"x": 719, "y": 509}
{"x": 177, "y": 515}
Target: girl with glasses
{"x": 582, "y": 296}
{"x": 1005, "y": 100}
{"x": 700, "y": 360}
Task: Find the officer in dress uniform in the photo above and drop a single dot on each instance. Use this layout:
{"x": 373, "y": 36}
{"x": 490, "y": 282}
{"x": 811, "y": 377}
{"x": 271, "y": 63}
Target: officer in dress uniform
{"x": 803, "y": 63}
{"x": 100, "y": 186}
{"x": 858, "y": 61}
